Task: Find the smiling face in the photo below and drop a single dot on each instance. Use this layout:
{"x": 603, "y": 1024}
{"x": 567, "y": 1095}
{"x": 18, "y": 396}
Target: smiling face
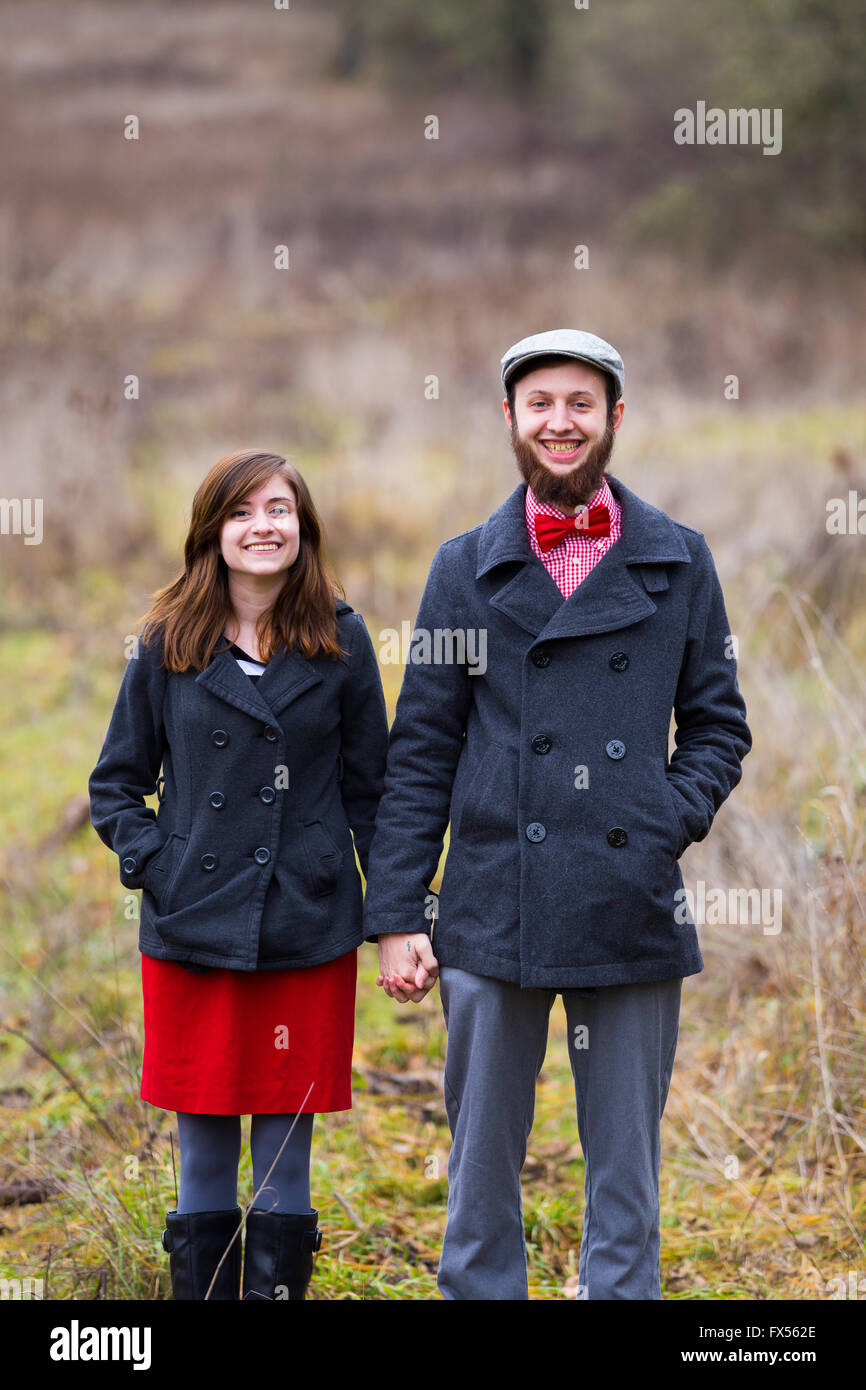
{"x": 560, "y": 431}
{"x": 261, "y": 536}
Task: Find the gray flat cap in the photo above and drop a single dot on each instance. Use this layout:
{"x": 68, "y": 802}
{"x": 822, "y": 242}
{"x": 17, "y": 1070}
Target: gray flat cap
{"x": 566, "y": 342}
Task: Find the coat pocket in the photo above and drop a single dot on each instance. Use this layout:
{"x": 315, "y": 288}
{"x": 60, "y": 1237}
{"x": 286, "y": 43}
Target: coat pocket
{"x": 490, "y": 805}
{"x": 323, "y": 858}
{"x": 160, "y": 871}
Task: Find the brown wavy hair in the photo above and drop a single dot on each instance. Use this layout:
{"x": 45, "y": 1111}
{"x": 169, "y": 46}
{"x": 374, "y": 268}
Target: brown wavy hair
{"x": 191, "y": 613}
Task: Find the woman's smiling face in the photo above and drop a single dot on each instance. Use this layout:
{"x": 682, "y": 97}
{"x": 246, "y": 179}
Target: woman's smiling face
{"x": 261, "y": 536}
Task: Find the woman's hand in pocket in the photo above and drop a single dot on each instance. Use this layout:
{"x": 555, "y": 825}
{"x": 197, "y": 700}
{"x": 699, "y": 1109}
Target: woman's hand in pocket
{"x": 408, "y": 968}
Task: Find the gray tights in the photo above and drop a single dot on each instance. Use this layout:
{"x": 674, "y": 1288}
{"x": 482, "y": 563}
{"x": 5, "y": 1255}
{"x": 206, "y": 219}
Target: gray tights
{"x": 210, "y": 1148}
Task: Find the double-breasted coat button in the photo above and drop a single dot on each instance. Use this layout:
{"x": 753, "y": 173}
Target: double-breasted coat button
{"x": 535, "y": 832}
{"x": 217, "y": 800}
{"x": 542, "y": 743}
{"x": 271, "y": 733}
{"x": 262, "y": 855}
{"x": 209, "y": 862}
{"x": 219, "y": 737}
{"x": 541, "y": 658}
{"x": 128, "y": 865}
{"x": 267, "y": 795}
{"x": 615, "y": 749}
{"x": 617, "y": 837}
{"x": 618, "y": 660}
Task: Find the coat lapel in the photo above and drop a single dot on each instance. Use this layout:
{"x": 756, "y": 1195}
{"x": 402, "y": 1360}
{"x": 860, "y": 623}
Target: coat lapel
{"x": 610, "y": 597}
{"x": 287, "y": 675}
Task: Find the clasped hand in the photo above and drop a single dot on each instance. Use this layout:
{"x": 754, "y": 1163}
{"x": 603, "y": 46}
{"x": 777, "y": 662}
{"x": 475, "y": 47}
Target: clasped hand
{"x": 408, "y": 968}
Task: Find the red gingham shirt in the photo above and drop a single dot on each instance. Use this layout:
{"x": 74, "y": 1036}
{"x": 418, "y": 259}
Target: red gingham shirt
{"x": 571, "y": 559}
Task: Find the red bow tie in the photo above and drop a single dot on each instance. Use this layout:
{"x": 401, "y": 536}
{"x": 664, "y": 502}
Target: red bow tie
{"x": 592, "y": 521}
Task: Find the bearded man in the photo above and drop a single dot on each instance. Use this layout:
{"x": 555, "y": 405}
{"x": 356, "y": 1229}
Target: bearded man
{"x": 603, "y": 616}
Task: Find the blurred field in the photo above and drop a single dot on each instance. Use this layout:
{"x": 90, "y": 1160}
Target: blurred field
{"x": 408, "y": 258}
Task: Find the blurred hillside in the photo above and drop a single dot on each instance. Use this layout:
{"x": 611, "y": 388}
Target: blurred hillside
{"x": 601, "y": 84}
{"x": 409, "y": 257}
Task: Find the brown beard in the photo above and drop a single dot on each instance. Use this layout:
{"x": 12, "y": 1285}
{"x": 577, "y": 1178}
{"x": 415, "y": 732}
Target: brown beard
{"x": 572, "y": 489}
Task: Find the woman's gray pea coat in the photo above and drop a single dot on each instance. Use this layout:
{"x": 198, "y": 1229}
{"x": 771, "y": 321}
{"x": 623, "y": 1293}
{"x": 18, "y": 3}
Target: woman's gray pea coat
{"x": 249, "y": 863}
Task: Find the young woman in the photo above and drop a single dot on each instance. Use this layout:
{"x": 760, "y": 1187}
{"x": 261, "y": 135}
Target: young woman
{"x": 255, "y": 690}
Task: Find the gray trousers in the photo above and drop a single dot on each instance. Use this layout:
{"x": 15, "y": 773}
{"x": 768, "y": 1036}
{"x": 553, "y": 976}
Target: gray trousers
{"x": 621, "y": 1045}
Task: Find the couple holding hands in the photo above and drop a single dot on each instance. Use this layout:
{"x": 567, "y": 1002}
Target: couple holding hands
{"x": 252, "y": 705}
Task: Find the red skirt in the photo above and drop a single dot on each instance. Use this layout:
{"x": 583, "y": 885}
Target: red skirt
{"x": 234, "y": 1042}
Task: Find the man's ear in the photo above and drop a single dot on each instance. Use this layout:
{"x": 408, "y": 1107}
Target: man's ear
{"x": 507, "y": 412}
{"x": 618, "y": 412}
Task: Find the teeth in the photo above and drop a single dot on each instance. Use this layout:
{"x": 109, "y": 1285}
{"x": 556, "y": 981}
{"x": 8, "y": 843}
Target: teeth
{"x": 563, "y": 448}
{"x": 266, "y": 545}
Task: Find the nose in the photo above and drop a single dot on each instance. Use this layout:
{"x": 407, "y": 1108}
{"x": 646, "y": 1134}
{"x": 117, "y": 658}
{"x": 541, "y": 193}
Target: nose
{"x": 559, "y": 419}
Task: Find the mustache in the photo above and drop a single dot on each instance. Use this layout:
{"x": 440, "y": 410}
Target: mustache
{"x": 572, "y": 489}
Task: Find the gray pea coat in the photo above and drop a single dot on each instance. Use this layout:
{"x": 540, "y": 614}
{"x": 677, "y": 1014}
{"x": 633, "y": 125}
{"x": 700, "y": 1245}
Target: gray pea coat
{"x": 249, "y": 863}
{"x": 567, "y": 816}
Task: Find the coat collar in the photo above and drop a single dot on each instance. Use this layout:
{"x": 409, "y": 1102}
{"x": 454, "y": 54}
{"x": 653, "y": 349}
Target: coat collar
{"x": 610, "y": 597}
{"x": 287, "y": 675}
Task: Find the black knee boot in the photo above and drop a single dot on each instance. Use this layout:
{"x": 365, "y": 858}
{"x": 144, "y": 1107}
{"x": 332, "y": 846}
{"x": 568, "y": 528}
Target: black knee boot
{"x": 196, "y": 1242}
{"x": 278, "y": 1255}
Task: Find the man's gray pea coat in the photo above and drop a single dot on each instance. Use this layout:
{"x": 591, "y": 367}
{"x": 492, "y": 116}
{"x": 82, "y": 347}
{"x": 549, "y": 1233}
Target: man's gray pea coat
{"x": 567, "y": 816}
{"x": 249, "y": 863}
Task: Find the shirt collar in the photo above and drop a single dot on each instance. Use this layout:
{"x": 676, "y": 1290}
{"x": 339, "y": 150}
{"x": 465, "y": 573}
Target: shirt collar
{"x": 649, "y": 535}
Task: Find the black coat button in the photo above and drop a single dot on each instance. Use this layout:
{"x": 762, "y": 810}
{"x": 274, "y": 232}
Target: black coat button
{"x": 128, "y": 865}
{"x": 542, "y": 743}
{"x": 271, "y": 734}
{"x": 541, "y": 658}
{"x": 262, "y": 856}
{"x": 268, "y": 795}
{"x": 217, "y": 800}
{"x": 209, "y": 862}
{"x": 535, "y": 832}
{"x": 219, "y": 737}
{"x": 617, "y": 837}
{"x": 615, "y": 749}
{"x": 618, "y": 660}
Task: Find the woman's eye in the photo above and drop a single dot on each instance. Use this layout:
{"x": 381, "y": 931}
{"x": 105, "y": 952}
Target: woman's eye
{"x": 281, "y": 508}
